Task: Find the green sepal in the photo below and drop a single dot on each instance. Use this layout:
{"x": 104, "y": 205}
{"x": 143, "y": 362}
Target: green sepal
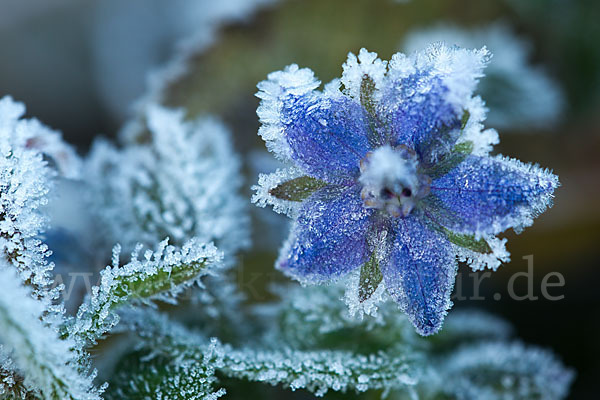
{"x": 436, "y": 211}
{"x": 465, "y": 118}
{"x": 458, "y": 154}
{"x": 297, "y": 189}
{"x": 376, "y": 133}
{"x": 468, "y": 241}
{"x": 367, "y": 89}
{"x": 370, "y": 278}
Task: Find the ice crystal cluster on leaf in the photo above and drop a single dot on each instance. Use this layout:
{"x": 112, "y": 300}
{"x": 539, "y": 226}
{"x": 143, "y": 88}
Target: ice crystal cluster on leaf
{"x": 391, "y": 180}
{"x": 518, "y": 94}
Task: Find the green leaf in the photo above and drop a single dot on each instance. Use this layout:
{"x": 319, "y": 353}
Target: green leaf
{"x": 370, "y": 278}
{"x": 450, "y": 161}
{"x": 297, "y": 189}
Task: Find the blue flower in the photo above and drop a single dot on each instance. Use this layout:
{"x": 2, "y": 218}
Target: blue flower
{"x": 391, "y": 182}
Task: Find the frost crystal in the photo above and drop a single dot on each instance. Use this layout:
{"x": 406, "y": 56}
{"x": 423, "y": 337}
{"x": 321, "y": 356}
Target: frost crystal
{"x": 519, "y": 95}
{"x": 393, "y": 178}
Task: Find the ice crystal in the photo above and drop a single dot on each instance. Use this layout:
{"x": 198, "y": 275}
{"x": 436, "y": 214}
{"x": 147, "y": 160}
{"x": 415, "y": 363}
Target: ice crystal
{"x": 392, "y": 176}
{"x": 520, "y": 95}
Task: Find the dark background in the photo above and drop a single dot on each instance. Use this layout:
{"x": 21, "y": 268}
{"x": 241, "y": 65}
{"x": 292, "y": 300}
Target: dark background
{"x": 78, "y": 65}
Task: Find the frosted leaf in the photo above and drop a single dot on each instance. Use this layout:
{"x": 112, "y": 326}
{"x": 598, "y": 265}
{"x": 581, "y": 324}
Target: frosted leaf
{"x": 519, "y": 94}
{"x": 317, "y": 371}
{"x": 505, "y": 371}
{"x": 48, "y": 363}
{"x": 311, "y": 342}
{"x": 320, "y": 371}
{"x": 183, "y": 182}
{"x": 162, "y": 274}
{"x": 32, "y": 156}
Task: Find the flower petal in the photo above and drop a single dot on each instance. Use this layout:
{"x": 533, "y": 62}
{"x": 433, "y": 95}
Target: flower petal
{"x": 427, "y": 94}
{"x": 487, "y": 195}
{"x": 328, "y": 136}
{"x": 329, "y": 237}
{"x": 420, "y": 274}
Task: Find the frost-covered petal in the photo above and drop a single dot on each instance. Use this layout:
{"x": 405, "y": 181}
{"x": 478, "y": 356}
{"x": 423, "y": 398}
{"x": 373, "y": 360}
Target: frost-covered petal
{"x": 427, "y": 93}
{"x": 292, "y": 81}
{"x": 519, "y": 94}
{"x": 329, "y": 237}
{"x": 327, "y": 136}
{"x": 487, "y": 195}
{"x": 420, "y": 274}
{"x": 356, "y": 68}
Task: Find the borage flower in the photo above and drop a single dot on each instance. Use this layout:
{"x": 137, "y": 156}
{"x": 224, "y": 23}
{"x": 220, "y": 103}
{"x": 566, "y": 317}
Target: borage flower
{"x": 392, "y": 177}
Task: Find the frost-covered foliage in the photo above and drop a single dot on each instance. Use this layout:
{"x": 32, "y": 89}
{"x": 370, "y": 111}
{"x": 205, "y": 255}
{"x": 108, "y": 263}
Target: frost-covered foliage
{"x": 44, "y": 352}
{"x": 391, "y": 177}
{"x": 518, "y": 94}
{"x": 160, "y": 275}
{"x": 311, "y": 342}
{"x": 36, "y": 360}
{"x": 181, "y": 182}
{"x": 179, "y": 179}
{"x": 49, "y": 364}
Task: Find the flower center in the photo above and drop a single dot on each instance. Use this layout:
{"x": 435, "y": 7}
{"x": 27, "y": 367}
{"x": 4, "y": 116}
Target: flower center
{"x": 391, "y": 180}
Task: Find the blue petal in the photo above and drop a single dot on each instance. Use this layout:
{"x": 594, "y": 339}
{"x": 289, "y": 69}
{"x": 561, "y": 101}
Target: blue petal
{"x": 329, "y": 237}
{"x": 420, "y": 274}
{"x": 421, "y": 117}
{"x": 487, "y": 195}
{"x": 327, "y": 136}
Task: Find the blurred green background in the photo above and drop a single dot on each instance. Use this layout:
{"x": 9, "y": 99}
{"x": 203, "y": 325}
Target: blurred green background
{"x": 49, "y": 59}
